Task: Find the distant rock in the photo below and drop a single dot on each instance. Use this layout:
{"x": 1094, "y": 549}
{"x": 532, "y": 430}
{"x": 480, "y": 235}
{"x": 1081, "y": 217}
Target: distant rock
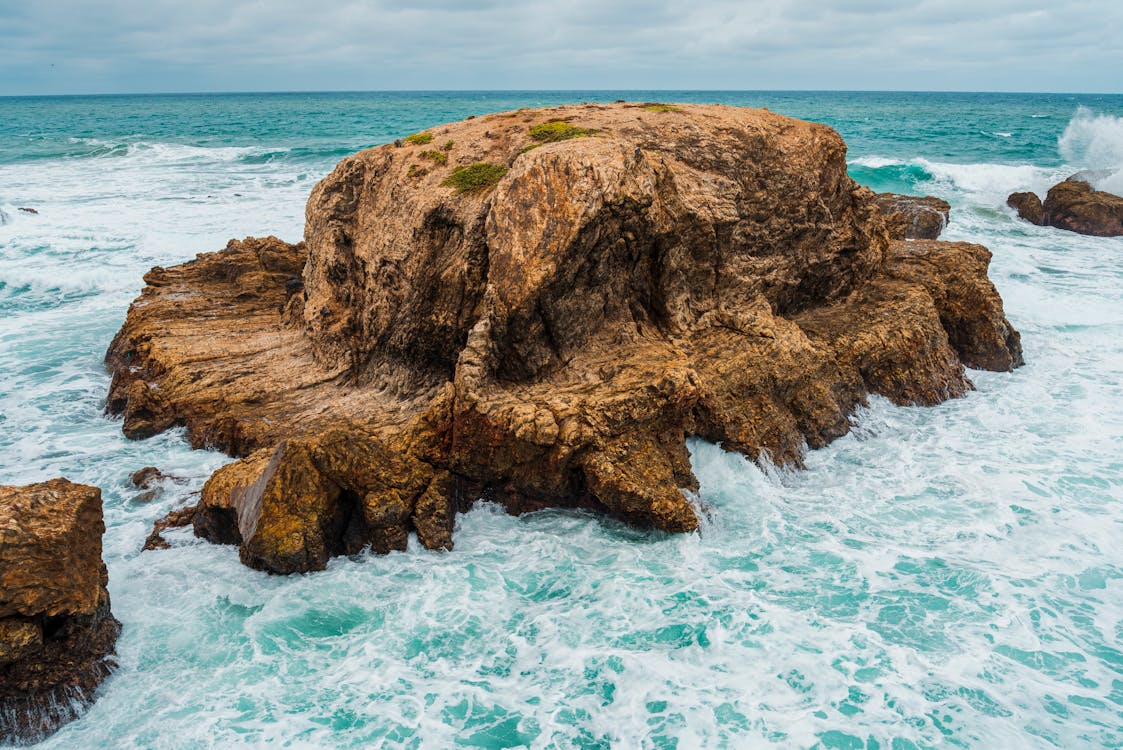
{"x": 1073, "y": 204}
{"x": 911, "y": 217}
{"x": 540, "y": 313}
{"x": 57, "y": 633}
{"x": 27, "y": 210}
{"x": 1078, "y": 207}
{"x": 1028, "y": 206}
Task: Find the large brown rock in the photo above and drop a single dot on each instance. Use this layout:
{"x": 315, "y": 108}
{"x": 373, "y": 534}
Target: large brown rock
{"x": 57, "y": 634}
{"x": 539, "y": 307}
{"x": 911, "y": 217}
{"x": 1078, "y": 207}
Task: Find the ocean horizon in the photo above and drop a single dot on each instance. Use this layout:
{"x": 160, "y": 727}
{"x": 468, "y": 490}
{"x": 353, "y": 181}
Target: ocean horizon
{"x": 303, "y": 92}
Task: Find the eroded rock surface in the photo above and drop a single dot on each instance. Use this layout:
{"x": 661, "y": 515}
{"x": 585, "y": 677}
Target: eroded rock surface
{"x": 1028, "y": 206}
{"x": 911, "y": 217}
{"x": 57, "y": 634}
{"x": 1075, "y": 205}
{"x": 1078, "y": 207}
{"x": 615, "y": 279}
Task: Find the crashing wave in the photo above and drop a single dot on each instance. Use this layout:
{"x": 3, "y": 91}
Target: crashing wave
{"x": 1094, "y": 142}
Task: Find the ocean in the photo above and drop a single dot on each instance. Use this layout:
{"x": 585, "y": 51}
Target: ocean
{"x": 940, "y": 577}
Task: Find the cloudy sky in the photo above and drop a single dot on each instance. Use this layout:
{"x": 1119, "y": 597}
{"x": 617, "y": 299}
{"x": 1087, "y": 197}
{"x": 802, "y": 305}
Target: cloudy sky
{"x": 116, "y": 46}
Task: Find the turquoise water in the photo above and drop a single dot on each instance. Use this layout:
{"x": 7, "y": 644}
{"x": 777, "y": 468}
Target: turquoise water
{"x": 944, "y": 577}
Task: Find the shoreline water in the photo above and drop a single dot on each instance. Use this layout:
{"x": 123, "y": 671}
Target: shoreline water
{"x": 943, "y": 574}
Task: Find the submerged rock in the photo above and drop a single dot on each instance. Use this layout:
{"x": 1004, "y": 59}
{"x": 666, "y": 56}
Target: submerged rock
{"x": 176, "y": 519}
{"x": 57, "y": 634}
{"x": 153, "y": 482}
{"x": 911, "y": 217}
{"x": 146, "y": 478}
{"x": 539, "y": 307}
{"x": 1073, "y": 204}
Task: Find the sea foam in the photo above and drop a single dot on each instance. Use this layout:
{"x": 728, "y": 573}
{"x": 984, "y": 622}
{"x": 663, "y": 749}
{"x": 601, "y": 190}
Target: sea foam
{"x": 988, "y": 182}
{"x": 1095, "y": 142}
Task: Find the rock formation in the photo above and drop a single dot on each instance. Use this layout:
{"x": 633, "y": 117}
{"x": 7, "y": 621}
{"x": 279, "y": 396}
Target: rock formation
{"x": 1075, "y": 205}
{"x": 57, "y": 634}
{"x": 539, "y": 307}
{"x": 1028, "y": 206}
{"x": 1078, "y": 207}
{"x": 910, "y": 217}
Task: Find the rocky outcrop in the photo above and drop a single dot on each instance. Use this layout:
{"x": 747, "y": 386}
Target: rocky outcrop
{"x": 1073, "y": 204}
{"x": 1028, "y": 206}
{"x": 57, "y": 634}
{"x": 911, "y": 217}
{"x": 1078, "y": 207}
{"x": 538, "y": 308}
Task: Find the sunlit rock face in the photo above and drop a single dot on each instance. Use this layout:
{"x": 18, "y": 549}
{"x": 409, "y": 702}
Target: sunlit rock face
{"x": 539, "y": 307}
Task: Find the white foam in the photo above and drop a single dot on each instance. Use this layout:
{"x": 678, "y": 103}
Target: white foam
{"x": 876, "y": 162}
{"x": 987, "y": 183}
{"x": 147, "y": 152}
{"x": 1092, "y": 140}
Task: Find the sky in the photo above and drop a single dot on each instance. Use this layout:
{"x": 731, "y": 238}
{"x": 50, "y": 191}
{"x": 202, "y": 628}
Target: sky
{"x": 148, "y": 46}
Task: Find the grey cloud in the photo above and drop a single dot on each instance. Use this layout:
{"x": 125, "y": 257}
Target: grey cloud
{"x": 130, "y": 45}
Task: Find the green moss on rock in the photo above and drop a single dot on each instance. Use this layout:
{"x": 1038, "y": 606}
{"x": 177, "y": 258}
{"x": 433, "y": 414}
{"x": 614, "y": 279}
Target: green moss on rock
{"x": 478, "y": 176}
{"x": 558, "y": 130}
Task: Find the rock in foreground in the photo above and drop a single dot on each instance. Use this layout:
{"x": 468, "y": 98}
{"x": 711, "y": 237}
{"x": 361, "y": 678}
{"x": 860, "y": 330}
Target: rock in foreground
{"x": 538, "y": 308}
{"x": 57, "y": 634}
{"x": 910, "y": 217}
{"x": 1073, "y": 205}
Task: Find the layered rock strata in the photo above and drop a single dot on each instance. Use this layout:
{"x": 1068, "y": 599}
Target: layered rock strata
{"x": 1075, "y": 205}
{"x": 539, "y": 307}
{"x": 57, "y": 634}
{"x": 911, "y": 217}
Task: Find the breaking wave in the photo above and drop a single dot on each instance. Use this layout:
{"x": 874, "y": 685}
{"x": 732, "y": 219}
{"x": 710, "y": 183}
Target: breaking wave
{"x": 987, "y": 182}
{"x": 1095, "y": 142}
